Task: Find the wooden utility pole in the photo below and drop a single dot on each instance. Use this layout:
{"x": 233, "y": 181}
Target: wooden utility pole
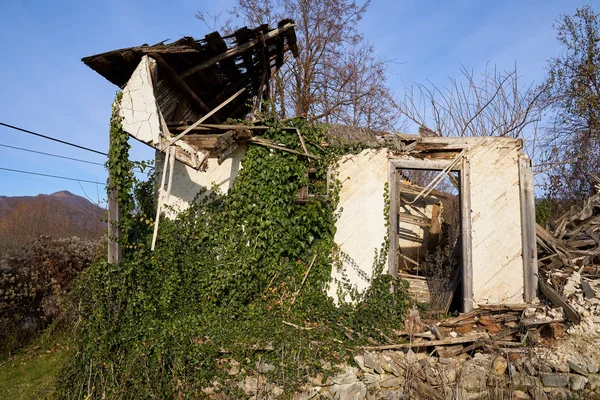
{"x": 114, "y": 217}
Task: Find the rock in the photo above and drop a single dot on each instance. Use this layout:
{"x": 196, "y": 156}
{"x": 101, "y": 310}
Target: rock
{"x": 485, "y": 320}
{"x": 538, "y": 393}
{"x": 592, "y": 366}
{"x": 529, "y": 368}
{"x": 371, "y": 362}
{"x": 578, "y": 382}
{"x": 577, "y": 368}
{"x": 444, "y": 361}
{"x": 351, "y": 391}
{"x": 519, "y": 395}
{"x": 360, "y": 361}
{"x": 593, "y": 382}
{"x": 558, "y": 363}
{"x": 370, "y": 378}
{"x": 388, "y": 365}
{"x": 345, "y": 378}
{"x": 524, "y": 381}
{"x": 449, "y": 375}
{"x": 399, "y": 360}
{"x": 554, "y": 380}
{"x": 499, "y": 366}
{"x": 393, "y": 395}
{"x": 411, "y": 357}
{"x": 393, "y": 381}
{"x": 473, "y": 377}
{"x": 432, "y": 375}
{"x": 558, "y": 394}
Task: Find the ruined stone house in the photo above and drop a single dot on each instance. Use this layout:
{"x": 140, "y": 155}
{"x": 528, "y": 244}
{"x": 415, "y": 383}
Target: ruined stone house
{"x": 177, "y": 98}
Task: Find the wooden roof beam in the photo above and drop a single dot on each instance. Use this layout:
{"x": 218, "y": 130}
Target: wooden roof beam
{"x": 234, "y": 51}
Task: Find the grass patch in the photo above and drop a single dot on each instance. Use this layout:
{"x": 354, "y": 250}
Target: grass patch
{"x": 31, "y": 373}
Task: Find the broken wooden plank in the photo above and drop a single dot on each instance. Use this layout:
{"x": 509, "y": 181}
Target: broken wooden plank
{"x": 444, "y": 342}
{"x": 559, "y": 301}
{"x": 268, "y": 143}
{"x": 204, "y": 118}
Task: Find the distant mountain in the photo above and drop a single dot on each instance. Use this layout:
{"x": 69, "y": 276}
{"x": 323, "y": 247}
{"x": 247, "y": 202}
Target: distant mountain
{"x": 60, "y": 214}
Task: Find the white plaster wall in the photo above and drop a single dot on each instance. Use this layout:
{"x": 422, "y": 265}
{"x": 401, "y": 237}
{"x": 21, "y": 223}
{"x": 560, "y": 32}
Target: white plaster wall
{"x": 187, "y": 181}
{"x": 496, "y": 223}
{"x": 138, "y": 105}
{"x": 361, "y": 226}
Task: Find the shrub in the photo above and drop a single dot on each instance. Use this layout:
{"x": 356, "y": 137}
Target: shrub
{"x": 34, "y": 282}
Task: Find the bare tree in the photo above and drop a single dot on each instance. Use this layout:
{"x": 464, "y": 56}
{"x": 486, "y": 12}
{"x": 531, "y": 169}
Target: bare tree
{"x": 337, "y": 78}
{"x": 495, "y": 105}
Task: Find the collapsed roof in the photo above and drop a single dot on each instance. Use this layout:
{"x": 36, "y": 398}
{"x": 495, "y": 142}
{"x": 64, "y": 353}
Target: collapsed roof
{"x": 197, "y": 75}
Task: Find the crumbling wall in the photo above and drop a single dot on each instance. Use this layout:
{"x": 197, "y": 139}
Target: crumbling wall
{"x": 188, "y": 182}
{"x": 361, "y": 227}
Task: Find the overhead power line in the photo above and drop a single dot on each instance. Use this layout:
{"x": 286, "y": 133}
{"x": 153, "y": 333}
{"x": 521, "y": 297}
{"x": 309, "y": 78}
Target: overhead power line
{"x": 50, "y": 154}
{"x": 51, "y": 138}
{"x": 50, "y": 176}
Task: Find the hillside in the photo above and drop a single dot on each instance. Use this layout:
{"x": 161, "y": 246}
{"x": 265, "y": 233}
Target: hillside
{"x": 60, "y": 214}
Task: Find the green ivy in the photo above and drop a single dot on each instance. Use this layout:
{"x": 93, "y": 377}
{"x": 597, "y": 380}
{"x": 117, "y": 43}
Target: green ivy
{"x": 225, "y": 283}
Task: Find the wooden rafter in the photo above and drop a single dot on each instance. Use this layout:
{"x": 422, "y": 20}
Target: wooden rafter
{"x": 234, "y": 51}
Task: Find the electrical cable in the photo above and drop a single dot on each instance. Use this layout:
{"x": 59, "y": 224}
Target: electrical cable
{"x": 50, "y": 176}
{"x": 50, "y": 154}
{"x": 51, "y": 138}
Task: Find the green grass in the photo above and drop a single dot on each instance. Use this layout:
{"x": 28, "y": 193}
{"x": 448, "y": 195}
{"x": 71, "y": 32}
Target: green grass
{"x": 31, "y": 373}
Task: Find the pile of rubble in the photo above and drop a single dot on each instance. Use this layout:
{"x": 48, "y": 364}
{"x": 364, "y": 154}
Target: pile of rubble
{"x": 533, "y": 373}
{"x": 569, "y": 265}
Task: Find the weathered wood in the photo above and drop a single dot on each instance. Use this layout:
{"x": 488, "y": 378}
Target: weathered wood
{"x": 423, "y": 164}
{"x": 178, "y": 81}
{"x": 204, "y": 118}
{"x": 217, "y": 44}
{"x": 444, "y": 342}
{"x": 559, "y": 301}
{"x": 465, "y": 216}
{"x": 268, "y": 143}
{"x": 393, "y": 221}
{"x": 528, "y": 235}
{"x": 234, "y": 51}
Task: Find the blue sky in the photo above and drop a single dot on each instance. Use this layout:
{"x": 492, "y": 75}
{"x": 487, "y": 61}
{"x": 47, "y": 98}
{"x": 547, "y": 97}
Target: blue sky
{"x": 46, "y": 88}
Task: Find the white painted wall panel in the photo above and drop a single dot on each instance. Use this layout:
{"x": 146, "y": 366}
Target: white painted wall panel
{"x": 138, "y": 106}
{"x": 187, "y": 181}
{"x": 496, "y": 223}
{"x": 361, "y": 226}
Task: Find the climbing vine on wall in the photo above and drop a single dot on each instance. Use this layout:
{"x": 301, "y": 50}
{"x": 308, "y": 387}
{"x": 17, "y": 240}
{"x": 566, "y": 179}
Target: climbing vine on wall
{"x": 239, "y": 277}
